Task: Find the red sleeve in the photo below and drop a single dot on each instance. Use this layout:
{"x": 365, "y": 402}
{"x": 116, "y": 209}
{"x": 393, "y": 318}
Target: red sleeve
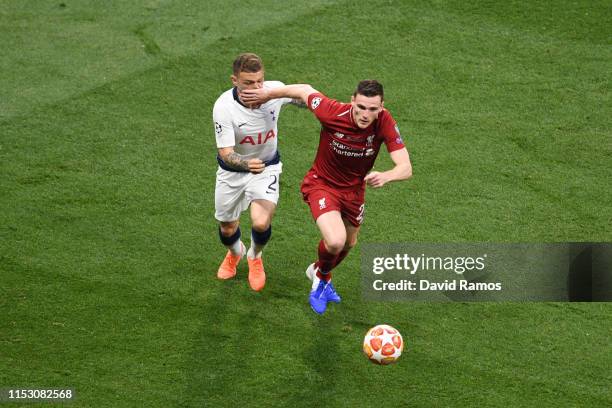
{"x": 323, "y": 107}
{"x": 390, "y": 132}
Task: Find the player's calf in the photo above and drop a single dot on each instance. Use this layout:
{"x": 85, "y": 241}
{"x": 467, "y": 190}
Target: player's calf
{"x": 259, "y": 239}
{"x": 325, "y": 262}
{"x": 257, "y": 275}
{"x": 227, "y": 229}
{"x": 345, "y": 251}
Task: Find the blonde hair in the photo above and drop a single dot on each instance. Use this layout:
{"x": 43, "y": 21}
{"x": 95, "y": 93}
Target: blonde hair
{"x": 247, "y": 62}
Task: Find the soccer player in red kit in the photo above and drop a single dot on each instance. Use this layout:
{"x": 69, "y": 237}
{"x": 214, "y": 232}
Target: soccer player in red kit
{"x": 334, "y": 188}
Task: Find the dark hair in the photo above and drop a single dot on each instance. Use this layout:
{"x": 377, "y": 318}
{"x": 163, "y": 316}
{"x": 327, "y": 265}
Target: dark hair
{"x": 370, "y": 87}
{"x": 247, "y": 62}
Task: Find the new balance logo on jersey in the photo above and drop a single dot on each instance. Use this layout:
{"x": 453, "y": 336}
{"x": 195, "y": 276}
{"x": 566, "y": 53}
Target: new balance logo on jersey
{"x": 259, "y": 139}
{"x": 322, "y": 204}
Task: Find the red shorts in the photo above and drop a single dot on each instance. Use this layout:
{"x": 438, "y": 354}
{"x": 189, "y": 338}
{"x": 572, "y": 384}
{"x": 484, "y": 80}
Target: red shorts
{"x": 323, "y": 198}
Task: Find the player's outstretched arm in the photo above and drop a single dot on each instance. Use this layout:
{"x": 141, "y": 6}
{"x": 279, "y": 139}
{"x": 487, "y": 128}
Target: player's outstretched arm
{"x": 401, "y": 171}
{"x": 238, "y": 162}
{"x": 262, "y": 95}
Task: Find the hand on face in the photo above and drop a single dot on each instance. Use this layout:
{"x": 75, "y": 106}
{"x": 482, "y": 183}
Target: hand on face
{"x": 257, "y": 96}
{"x": 245, "y": 81}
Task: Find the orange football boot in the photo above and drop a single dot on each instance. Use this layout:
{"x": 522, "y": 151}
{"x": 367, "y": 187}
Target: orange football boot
{"x": 257, "y": 275}
{"x": 227, "y": 269}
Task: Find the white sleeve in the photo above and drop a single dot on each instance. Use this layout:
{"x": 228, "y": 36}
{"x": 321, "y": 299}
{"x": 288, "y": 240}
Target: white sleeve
{"x": 278, "y": 84}
{"x": 224, "y": 130}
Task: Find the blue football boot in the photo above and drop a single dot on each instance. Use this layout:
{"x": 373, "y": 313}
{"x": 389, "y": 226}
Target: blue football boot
{"x": 323, "y": 293}
{"x": 331, "y": 294}
{"x": 317, "y": 298}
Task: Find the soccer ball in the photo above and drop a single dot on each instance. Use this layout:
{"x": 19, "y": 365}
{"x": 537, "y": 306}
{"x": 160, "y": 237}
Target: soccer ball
{"x": 383, "y": 344}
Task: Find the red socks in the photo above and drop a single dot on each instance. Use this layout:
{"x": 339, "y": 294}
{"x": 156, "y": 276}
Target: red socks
{"x": 328, "y": 261}
{"x": 340, "y": 257}
{"x": 325, "y": 263}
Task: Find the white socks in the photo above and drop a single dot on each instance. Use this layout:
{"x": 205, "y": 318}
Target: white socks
{"x": 254, "y": 251}
{"x": 237, "y": 248}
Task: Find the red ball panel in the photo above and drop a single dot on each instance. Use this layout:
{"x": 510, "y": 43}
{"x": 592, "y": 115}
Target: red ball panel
{"x": 397, "y": 341}
{"x": 376, "y": 343}
{"x": 388, "y": 349}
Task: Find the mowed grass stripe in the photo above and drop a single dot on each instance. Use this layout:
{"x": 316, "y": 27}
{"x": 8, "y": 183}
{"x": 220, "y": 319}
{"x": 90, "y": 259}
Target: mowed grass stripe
{"x": 116, "y": 177}
{"x": 545, "y": 156}
{"x": 60, "y": 50}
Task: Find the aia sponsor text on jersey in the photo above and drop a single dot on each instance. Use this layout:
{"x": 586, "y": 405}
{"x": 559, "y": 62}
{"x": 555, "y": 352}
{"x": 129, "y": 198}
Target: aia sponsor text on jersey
{"x": 259, "y": 139}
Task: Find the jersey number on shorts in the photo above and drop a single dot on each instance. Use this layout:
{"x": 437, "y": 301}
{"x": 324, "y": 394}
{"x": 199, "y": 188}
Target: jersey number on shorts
{"x": 272, "y": 187}
{"x": 361, "y": 213}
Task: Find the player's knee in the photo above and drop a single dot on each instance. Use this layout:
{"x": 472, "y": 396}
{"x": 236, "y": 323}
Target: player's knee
{"x": 335, "y": 245}
{"x": 262, "y": 224}
{"x": 350, "y": 244}
{"x": 228, "y": 229}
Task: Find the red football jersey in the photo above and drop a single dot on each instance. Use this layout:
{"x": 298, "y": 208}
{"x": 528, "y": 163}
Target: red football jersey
{"x": 346, "y": 152}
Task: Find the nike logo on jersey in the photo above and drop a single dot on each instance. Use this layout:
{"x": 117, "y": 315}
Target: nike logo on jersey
{"x": 242, "y": 124}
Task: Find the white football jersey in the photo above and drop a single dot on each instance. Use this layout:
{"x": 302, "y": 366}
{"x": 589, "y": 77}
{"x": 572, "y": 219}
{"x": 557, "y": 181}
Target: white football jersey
{"x": 252, "y": 132}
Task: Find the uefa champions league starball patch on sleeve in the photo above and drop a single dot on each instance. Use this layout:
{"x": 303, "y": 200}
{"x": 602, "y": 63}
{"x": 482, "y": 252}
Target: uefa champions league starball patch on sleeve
{"x": 314, "y": 104}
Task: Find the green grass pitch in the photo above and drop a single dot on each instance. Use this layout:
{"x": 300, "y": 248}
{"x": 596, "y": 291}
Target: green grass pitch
{"x": 108, "y": 246}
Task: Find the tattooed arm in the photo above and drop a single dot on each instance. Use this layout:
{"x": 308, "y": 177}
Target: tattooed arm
{"x": 238, "y": 162}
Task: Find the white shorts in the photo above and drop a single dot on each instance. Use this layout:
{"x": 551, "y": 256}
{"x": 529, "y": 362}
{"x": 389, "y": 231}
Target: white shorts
{"x": 234, "y": 191}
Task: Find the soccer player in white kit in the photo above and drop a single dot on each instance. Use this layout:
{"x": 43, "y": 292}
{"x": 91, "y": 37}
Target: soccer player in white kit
{"x": 249, "y": 167}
